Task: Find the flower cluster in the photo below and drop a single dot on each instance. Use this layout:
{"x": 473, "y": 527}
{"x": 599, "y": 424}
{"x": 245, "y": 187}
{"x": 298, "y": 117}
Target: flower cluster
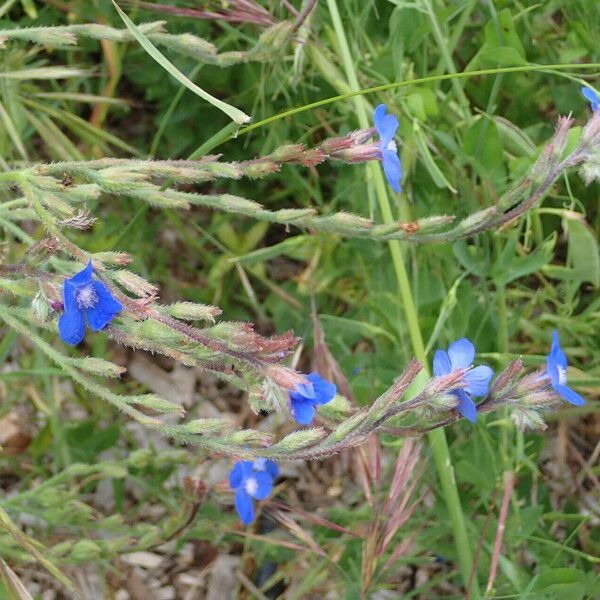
{"x": 87, "y": 301}
{"x": 254, "y": 480}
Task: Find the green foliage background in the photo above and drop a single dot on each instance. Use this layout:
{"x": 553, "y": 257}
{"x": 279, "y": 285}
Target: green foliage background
{"x": 463, "y": 142}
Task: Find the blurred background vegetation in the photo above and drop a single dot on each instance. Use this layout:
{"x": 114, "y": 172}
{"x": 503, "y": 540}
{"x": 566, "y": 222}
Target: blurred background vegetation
{"x": 124, "y": 514}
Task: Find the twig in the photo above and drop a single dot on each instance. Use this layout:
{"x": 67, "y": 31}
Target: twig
{"x": 509, "y": 483}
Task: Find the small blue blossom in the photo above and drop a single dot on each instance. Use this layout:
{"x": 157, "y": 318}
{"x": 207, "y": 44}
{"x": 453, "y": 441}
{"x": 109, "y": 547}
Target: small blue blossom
{"x": 592, "y": 97}
{"x": 460, "y": 355}
{"x": 556, "y": 369}
{"x": 308, "y": 395}
{"x": 386, "y": 126}
{"x": 85, "y": 300}
{"x": 251, "y": 480}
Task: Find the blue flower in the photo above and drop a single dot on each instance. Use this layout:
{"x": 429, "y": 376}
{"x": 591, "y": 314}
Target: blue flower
{"x": 307, "y": 396}
{"x": 251, "y": 480}
{"x": 460, "y": 355}
{"x": 88, "y": 301}
{"x": 592, "y": 97}
{"x": 556, "y": 369}
{"x": 386, "y": 126}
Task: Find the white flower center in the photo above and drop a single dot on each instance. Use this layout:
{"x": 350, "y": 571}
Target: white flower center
{"x": 86, "y": 296}
{"x": 392, "y": 146}
{"x": 251, "y": 486}
{"x": 562, "y": 375}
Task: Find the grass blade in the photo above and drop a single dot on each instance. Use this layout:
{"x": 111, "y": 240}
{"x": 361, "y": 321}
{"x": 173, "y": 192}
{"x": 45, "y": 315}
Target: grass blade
{"x": 234, "y": 113}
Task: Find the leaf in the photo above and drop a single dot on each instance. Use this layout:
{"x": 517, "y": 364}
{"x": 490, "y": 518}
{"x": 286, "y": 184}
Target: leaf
{"x": 434, "y": 171}
{"x": 512, "y": 267}
{"x": 471, "y": 257}
{"x": 234, "y": 113}
{"x": 561, "y": 582}
{"x": 482, "y": 142}
{"x": 500, "y": 57}
{"x": 46, "y": 73}
{"x": 288, "y": 247}
{"x": 446, "y": 309}
{"x": 358, "y": 327}
{"x": 583, "y": 254}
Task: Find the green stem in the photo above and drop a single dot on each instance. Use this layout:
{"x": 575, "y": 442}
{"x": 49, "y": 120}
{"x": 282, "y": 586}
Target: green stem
{"x": 437, "y": 438}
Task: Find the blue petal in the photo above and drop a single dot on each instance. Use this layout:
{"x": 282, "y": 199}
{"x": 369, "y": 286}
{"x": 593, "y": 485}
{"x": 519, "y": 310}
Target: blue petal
{"x": 478, "y": 380}
{"x": 441, "y": 363}
{"x": 552, "y": 370}
{"x": 105, "y": 310}
{"x": 569, "y": 395}
{"x": 240, "y": 471}
{"x": 392, "y": 169}
{"x": 466, "y": 406}
{"x": 71, "y": 326}
{"x": 272, "y": 468}
{"x": 592, "y": 97}
{"x": 385, "y": 124}
{"x": 265, "y": 485}
{"x": 302, "y": 410}
{"x": 461, "y": 353}
{"x": 84, "y": 276}
{"x": 264, "y": 464}
{"x": 304, "y": 390}
{"x": 244, "y": 506}
{"x": 325, "y": 391}
{"x": 557, "y": 353}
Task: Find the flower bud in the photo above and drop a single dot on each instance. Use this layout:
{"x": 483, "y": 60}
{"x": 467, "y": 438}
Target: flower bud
{"x": 40, "y": 306}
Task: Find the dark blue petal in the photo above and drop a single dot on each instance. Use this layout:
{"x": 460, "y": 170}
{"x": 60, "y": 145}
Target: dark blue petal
{"x": 466, "y": 406}
{"x": 592, "y": 97}
{"x": 240, "y": 471}
{"x": 441, "y": 363}
{"x": 461, "y": 354}
{"x": 302, "y": 410}
{"x": 385, "y": 124}
{"x": 392, "y": 169}
{"x": 265, "y": 485}
{"x": 84, "y": 276}
{"x": 105, "y": 310}
{"x": 325, "y": 391}
{"x": 478, "y": 380}
{"x": 569, "y": 395}
{"x": 244, "y": 506}
{"x": 71, "y": 326}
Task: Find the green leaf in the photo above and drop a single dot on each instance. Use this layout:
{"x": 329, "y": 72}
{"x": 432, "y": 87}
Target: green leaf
{"x": 288, "y": 247}
{"x": 428, "y": 161}
{"x": 561, "y": 582}
{"x": 359, "y": 327}
{"x": 500, "y": 57}
{"x": 483, "y": 144}
{"x": 471, "y": 257}
{"x": 583, "y": 254}
{"x": 234, "y": 113}
{"x": 516, "y": 267}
